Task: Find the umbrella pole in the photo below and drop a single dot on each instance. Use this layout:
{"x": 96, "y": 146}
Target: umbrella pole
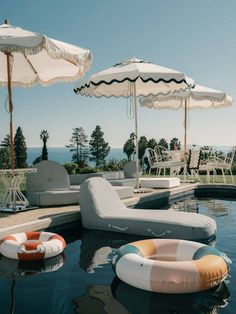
{"x": 10, "y": 108}
{"x": 136, "y": 136}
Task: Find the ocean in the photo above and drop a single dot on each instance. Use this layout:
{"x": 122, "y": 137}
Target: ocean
{"x": 63, "y": 154}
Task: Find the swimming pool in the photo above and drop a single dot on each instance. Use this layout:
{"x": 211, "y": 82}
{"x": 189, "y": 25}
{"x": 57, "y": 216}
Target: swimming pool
{"x": 82, "y": 280}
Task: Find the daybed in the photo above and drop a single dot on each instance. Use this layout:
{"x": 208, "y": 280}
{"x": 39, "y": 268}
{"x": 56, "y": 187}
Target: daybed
{"x": 102, "y": 209}
{"x": 51, "y": 186}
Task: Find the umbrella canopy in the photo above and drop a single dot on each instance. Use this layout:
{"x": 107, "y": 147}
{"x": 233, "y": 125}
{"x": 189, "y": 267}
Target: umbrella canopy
{"x": 198, "y": 97}
{"x": 133, "y": 78}
{"x": 37, "y": 59}
{"x": 28, "y": 58}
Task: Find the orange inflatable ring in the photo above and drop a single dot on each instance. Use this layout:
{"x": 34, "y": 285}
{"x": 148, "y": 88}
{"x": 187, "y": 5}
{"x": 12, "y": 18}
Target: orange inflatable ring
{"x": 32, "y": 245}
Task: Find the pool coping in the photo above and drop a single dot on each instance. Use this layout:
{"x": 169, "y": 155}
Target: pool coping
{"x": 64, "y": 218}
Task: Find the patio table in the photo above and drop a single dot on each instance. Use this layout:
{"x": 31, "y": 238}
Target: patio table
{"x": 13, "y": 199}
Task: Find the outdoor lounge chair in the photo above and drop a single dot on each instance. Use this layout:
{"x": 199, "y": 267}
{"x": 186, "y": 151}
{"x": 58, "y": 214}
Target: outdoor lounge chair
{"x": 102, "y": 209}
{"x": 50, "y": 186}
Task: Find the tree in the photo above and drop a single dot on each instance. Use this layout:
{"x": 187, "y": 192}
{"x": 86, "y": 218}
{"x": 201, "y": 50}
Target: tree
{"x": 162, "y": 142}
{"x": 78, "y": 145}
{"x": 44, "y": 136}
{"x": 5, "y": 153}
{"x": 142, "y": 145}
{"x": 175, "y": 144}
{"x": 6, "y": 142}
{"x": 20, "y": 149}
{"x": 129, "y": 147}
{"x": 152, "y": 143}
{"x": 99, "y": 149}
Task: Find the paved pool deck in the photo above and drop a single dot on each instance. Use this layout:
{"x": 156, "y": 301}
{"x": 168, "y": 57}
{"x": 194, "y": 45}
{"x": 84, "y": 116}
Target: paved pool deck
{"x": 42, "y": 218}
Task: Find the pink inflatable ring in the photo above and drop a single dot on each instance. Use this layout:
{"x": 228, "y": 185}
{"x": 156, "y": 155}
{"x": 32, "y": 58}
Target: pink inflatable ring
{"x": 170, "y": 266}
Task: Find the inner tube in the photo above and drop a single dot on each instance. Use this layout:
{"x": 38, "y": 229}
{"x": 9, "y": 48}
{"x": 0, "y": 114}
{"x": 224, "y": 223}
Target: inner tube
{"x": 32, "y": 245}
{"x": 170, "y": 265}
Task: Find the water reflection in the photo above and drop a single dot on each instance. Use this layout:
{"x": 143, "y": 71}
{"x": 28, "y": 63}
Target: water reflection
{"x": 215, "y": 207}
{"x": 144, "y": 302}
{"x": 98, "y": 299}
{"x": 15, "y": 270}
{"x": 96, "y": 248}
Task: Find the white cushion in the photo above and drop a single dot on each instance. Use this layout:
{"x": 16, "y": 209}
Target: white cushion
{"x": 161, "y": 183}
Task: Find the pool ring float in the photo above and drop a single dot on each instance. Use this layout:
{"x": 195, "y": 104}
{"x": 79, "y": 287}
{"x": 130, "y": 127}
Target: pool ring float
{"x": 32, "y": 245}
{"x": 170, "y": 266}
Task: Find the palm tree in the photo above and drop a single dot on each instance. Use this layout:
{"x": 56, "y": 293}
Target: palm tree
{"x": 44, "y": 136}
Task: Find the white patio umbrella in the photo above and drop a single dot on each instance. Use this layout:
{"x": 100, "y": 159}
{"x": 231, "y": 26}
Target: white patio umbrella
{"x": 28, "y": 58}
{"x": 133, "y": 78}
{"x": 198, "y": 97}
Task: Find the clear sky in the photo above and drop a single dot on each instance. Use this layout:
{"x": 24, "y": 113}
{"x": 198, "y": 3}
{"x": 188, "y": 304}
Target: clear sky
{"x": 196, "y": 37}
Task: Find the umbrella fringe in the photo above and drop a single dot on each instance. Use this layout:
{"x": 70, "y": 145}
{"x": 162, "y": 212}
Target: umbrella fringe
{"x": 45, "y": 84}
{"x": 16, "y": 48}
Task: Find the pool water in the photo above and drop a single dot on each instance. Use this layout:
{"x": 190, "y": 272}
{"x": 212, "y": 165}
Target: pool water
{"x": 82, "y": 281}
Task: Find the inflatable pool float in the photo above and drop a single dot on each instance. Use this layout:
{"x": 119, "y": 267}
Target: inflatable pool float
{"x": 102, "y": 209}
{"x": 170, "y": 266}
{"x": 32, "y": 245}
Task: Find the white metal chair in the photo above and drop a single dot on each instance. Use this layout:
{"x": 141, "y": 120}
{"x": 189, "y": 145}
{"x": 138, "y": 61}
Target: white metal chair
{"x": 152, "y": 160}
{"x": 205, "y": 165}
{"x": 223, "y": 163}
{"x": 160, "y": 159}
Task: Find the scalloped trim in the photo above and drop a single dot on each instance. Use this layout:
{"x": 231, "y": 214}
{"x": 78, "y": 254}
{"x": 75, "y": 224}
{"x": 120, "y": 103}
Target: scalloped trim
{"x": 123, "y": 96}
{"x": 87, "y": 85}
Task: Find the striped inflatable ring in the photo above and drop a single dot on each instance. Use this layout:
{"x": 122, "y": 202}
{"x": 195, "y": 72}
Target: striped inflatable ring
{"x": 32, "y": 245}
{"x": 170, "y": 266}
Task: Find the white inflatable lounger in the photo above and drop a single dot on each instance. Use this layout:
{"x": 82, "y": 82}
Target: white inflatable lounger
{"x": 102, "y": 209}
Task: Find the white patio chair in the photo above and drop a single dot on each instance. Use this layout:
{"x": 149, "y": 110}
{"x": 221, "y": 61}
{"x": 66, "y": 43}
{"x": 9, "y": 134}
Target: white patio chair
{"x": 223, "y": 163}
{"x": 205, "y": 165}
{"x": 160, "y": 159}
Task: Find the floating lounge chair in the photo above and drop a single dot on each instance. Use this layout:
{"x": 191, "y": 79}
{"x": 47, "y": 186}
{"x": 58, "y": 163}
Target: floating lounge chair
{"x": 102, "y": 209}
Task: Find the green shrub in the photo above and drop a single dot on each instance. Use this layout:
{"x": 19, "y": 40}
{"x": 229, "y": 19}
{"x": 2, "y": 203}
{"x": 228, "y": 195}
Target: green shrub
{"x": 71, "y": 167}
{"x": 86, "y": 170}
{"x": 114, "y": 165}
{"x": 234, "y": 168}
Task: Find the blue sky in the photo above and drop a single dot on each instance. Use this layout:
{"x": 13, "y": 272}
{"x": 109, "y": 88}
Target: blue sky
{"x": 196, "y": 37}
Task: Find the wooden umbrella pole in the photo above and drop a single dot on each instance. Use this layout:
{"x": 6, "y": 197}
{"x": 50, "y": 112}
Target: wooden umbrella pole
{"x": 10, "y": 109}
